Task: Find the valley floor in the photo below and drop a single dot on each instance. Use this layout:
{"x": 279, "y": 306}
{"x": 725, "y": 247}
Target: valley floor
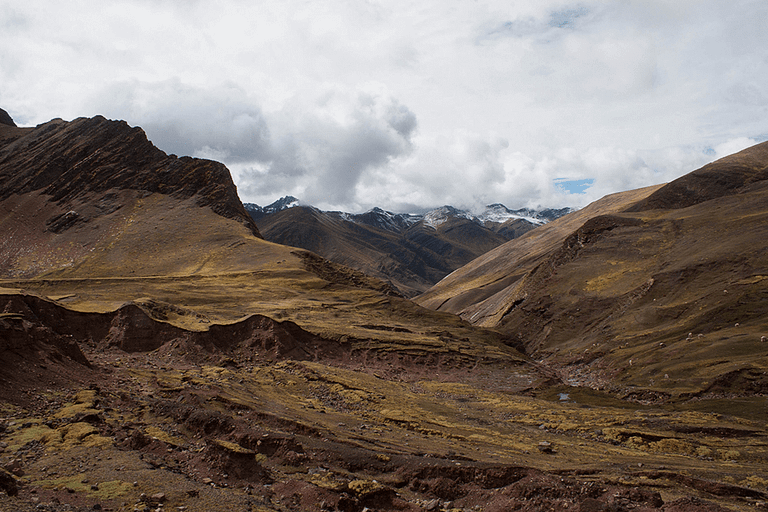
{"x": 149, "y": 431}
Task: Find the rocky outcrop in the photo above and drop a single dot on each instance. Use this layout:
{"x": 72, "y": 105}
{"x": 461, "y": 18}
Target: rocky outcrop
{"x": 68, "y": 161}
{"x": 23, "y": 335}
{"x": 27, "y": 321}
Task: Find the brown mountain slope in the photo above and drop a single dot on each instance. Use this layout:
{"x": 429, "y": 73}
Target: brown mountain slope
{"x": 487, "y": 278}
{"x": 155, "y": 351}
{"x": 93, "y": 212}
{"x": 77, "y": 194}
{"x": 71, "y": 160}
{"x": 411, "y": 259}
{"x": 663, "y": 289}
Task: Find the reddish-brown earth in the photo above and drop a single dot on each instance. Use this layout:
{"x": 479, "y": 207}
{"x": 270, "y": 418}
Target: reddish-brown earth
{"x": 223, "y": 454}
{"x": 157, "y": 354}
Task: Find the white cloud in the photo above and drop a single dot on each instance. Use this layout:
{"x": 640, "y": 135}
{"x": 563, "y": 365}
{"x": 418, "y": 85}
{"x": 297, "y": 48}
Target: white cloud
{"x": 350, "y": 104}
{"x": 323, "y": 145}
{"x": 222, "y": 122}
{"x": 732, "y": 146}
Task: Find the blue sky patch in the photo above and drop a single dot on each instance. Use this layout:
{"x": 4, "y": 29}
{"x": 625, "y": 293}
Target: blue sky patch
{"x": 574, "y": 186}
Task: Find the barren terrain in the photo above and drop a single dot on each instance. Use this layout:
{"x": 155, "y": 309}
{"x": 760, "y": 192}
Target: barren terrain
{"x": 156, "y": 353}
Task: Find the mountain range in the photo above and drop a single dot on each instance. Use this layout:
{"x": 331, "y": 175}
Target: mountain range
{"x": 410, "y": 251}
{"x": 158, "y": 351}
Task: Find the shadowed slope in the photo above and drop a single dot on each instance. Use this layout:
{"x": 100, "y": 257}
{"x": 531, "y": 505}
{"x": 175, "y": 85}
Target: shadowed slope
{"x": 5, "y": 118}
{"x": 412, "y": 258}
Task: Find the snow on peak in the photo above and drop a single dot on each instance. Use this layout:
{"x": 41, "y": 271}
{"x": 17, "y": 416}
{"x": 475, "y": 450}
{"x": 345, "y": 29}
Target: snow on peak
{"x": 499, "y": 213}
{"x": 383, "y": 219}
{"x": 281, "y": 204}
{"x": 440, "y": 215}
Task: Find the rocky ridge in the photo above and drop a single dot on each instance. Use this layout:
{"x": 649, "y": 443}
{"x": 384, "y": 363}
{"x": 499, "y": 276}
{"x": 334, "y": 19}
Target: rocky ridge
{"x": 173, "y": 360}
{"x": 66, "y": 161}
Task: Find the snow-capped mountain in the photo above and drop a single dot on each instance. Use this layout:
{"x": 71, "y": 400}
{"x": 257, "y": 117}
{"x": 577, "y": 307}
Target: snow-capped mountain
{"x": 441, "y": 215}
{"x": 281, "y": 204}
{"x": 383, "y": 219}
{"x": 410, "y": 251}
{"x": 493, "y": 214}
{"x": 499, "y": 213}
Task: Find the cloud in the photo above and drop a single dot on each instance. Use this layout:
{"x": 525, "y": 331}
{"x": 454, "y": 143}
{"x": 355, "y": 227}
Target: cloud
{"x": 222, "y": 123}
{"x": 732, "y": 146}
{"x": 317, "y": 148}
{"x": 460, "y": 168}
{"x": 323, "y": 146}
{"x": 404, "y": 105}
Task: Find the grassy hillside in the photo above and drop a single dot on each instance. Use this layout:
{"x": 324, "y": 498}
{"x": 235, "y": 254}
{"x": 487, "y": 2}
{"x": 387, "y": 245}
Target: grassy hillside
{"x": 661, "y": 289}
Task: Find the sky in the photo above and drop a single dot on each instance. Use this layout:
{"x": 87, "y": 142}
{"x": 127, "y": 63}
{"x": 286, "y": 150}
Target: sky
{"x": 352, "y": 104}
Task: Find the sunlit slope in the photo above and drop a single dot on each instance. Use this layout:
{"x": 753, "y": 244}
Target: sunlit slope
{"x": 492, "y": 277}
{"x": 668, "y": 294}
{"x": 95, "y": 216}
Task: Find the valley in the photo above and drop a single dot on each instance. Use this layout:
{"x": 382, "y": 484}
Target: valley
{"x": 411, "y": 252}
{"x": 156, "y": 353}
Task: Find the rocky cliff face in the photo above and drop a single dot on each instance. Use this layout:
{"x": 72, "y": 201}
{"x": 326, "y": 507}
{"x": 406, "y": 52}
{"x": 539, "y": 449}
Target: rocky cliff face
{"x": 66, "y": 161}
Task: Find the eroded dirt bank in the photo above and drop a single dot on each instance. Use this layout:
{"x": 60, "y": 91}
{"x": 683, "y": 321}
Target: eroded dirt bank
{"x": 122, "y": 411}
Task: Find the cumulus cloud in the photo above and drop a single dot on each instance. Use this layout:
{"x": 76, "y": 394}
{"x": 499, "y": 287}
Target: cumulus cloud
{"x": 317, "y": 148}
{"x": 221, "y": 123}
{"x": 323, "y": 146}
{"x": 404, "y": 105}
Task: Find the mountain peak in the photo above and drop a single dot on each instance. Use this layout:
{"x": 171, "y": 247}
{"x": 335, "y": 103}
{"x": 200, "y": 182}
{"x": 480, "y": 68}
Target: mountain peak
{"x": 68, "y": 161}
{"x": 256, "y": 212}
{"x": 438, "y": 216}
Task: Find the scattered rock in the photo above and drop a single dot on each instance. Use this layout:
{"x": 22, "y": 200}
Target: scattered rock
{"x": 15, "y": 467}
{"x": 8, "y": 483}
{"x": 545, "y": 447}
{"x": 157, "y": 498}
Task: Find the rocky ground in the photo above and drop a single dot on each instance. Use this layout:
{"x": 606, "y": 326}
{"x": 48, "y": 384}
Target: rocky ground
{"x": 185, "y": 427}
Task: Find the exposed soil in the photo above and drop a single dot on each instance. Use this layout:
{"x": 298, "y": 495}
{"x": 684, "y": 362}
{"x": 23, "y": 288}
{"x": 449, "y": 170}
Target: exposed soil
{"x": 139, "y": 378}
{"x": 150, "y": 417}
